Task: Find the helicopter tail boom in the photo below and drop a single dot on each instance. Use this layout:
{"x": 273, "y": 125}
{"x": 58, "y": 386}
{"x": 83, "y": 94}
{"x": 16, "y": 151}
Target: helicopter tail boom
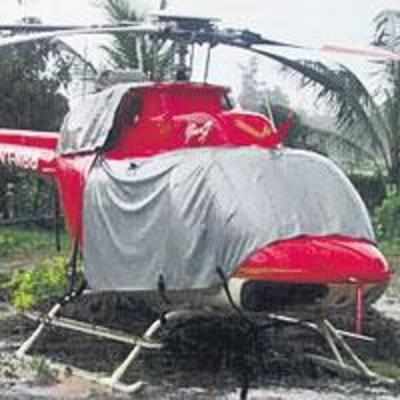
{"x": 29, "y": 150}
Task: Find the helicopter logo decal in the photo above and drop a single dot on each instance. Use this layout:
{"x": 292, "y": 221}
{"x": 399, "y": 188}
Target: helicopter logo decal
{"x": 200, "y": 131}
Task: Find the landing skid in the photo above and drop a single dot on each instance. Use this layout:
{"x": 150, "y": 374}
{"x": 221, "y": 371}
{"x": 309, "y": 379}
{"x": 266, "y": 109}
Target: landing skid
{"x": 139, "y": 344}
{"x": 345, "y": 361}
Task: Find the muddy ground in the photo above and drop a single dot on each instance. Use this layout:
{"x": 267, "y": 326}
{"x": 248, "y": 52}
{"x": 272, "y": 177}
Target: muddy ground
{"x": 203, "y": 360}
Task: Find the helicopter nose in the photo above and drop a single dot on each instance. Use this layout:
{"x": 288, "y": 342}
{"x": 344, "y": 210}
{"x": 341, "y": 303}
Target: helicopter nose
{"x": 319, "y": 260}
{"x": 325, "y": 273}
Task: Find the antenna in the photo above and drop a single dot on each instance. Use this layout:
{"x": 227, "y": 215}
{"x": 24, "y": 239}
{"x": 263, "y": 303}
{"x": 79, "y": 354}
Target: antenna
{"x": 163, "y": 5}
{"x": 22, "y": 3}
{"x": 269, "y": 110}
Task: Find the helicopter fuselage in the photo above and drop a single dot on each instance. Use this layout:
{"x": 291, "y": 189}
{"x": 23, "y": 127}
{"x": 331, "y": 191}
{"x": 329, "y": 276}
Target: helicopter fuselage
{"x": 301, "y": 273}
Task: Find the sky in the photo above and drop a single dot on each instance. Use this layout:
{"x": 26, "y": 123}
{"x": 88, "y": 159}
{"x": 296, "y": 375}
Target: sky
{"x": 307, "y": 22}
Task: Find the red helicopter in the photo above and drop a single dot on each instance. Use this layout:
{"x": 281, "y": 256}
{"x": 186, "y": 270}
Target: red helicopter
{"x": 170, "y": 191}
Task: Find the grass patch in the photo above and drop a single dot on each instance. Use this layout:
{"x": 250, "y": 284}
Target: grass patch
{"x": 387, "y": 369}
{"x": 4, "y": 278}
{"x": 19, "y": 243}
{"x": 390, "y": 248}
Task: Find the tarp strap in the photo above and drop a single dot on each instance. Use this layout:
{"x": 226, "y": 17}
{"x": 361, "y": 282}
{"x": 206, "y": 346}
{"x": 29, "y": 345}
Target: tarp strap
{"x": 73, "y": 290}
{"x": 225, "y": 285}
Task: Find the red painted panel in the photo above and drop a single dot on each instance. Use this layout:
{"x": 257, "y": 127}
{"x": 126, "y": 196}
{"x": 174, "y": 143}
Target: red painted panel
{"x": 179, "y": 116}
{"x": 330, "y": 259}
{"x": 29, "y": 150}
{"x": 72, "y": 172}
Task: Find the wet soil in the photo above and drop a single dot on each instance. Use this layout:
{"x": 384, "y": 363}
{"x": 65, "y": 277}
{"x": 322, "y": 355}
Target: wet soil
{"x": 203, "y": 359}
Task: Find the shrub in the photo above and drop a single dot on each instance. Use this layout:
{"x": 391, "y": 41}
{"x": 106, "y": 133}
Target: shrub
{"x": 387, "y": 218}
{"x": 372, "y": 189}
{"x": 7, "y": 243}
{"x": 46, "y": 280}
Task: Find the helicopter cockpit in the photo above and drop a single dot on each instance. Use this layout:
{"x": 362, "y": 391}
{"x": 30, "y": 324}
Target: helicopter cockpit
{"x": 147, "y": 118}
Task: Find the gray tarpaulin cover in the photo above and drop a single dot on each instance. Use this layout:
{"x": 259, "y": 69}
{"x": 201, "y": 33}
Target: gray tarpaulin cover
{"x": 87, "y": 125}
{"x": 183, "y": 213}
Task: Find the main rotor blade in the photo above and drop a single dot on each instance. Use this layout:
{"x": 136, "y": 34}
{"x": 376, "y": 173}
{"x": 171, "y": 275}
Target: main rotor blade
{"x": 295, "y": 65}
{"x": 37, "y": 27}
{"x": 140, "y": 29}
{"x": 368, "y": 52}
{"x": 24, "y": 27}
{"x": 247, "y": 40}
{"x": 186, "y": 29}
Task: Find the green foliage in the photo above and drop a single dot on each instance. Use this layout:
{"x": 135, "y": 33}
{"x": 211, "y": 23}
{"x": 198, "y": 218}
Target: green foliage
{"x": 32, "y": 76}
{"x": 6, "y": 244}
{"x": 46, "y": 280}
{"x": 129, "y": 52}
{"x": 256, "y": 95}
{"x": 384, "y": 368}
{"x": 372, "y": 189}
{"x": 18, "y": 242}
{"x": 32, "y": 196}
{"x": 391, "y": 248}
{"x": 123, "y": 51}
{"x": 387, "y": 218}
{"x": 368, "y": 122}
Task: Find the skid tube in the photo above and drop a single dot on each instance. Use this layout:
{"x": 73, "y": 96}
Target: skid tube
{"x": 345, "y": 361}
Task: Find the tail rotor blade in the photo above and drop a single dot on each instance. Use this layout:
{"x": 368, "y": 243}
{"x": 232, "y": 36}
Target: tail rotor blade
{"x": 371, "y": 52}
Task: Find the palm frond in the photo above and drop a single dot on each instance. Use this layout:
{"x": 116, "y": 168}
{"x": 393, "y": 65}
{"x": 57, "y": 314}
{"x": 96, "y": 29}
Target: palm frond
{"x": 121, "y": 10}
{"x": 345, "y": 149}
{"x": 124, "y": 50}
{"x": 387, "y": 36}
{"x": 343, "y": 92}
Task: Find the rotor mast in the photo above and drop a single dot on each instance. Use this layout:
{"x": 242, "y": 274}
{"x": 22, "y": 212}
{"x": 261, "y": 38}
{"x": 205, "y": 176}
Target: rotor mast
{"x": 185, "y": 30}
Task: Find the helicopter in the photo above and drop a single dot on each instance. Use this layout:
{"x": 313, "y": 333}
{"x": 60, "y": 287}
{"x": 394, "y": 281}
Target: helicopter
{"x": 171, "y": 192}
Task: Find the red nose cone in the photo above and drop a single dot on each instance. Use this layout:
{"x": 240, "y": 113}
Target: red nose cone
{"x": 331, "y": 259}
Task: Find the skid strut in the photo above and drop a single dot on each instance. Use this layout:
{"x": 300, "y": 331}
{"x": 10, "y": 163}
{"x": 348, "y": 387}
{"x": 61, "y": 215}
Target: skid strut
{"x": 139, "y": 344}
{"x": 334, "y": 338}
{"x": 345, "y": 362}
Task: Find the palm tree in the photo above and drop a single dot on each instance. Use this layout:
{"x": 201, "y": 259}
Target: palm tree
{"x": 368, "y": 124}
{"x": 128, "y": 51}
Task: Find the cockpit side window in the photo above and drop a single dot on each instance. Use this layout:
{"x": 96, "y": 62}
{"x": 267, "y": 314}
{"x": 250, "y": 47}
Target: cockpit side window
{"x": 127, "y": 114}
